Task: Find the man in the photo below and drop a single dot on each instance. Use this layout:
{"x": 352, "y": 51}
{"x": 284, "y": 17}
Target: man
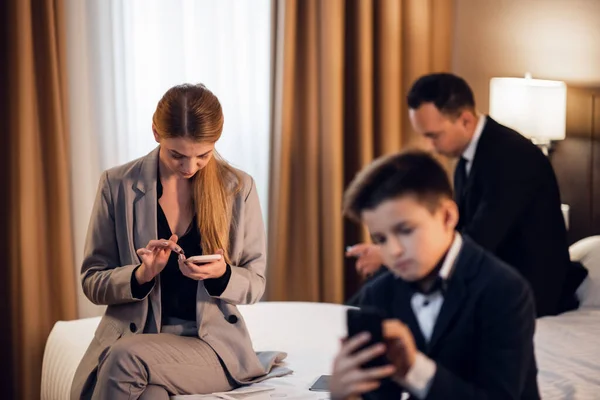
{"x": 461, "y": 322}
{"x": 505, "y": 188}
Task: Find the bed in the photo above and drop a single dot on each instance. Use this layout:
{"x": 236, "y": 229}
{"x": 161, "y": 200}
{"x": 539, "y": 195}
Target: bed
{"x": 567, "y": 346}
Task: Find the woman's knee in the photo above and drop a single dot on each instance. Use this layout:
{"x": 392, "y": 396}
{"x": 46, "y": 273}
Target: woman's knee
{"x": 154, "y": 392}
{"x": 124, "y": 353}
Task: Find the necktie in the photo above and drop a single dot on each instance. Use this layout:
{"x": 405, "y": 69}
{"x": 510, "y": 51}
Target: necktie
{"x": 460, "y": 179}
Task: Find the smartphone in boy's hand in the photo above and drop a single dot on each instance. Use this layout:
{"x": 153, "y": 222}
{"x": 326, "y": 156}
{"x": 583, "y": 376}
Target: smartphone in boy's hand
{"x": 367, "y": 320}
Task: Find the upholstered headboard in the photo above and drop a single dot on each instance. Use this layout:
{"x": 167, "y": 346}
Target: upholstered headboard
{"x": 576, "y": 161}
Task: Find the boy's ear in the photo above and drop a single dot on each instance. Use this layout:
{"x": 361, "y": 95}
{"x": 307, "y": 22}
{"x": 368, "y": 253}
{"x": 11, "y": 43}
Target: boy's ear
{"x": 450, "y": 214}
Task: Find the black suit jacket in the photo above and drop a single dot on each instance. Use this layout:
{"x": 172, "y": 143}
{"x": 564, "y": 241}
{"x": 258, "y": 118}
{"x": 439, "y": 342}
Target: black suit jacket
{"x": 482, "y": 341}
{"x": 511, "y": 206}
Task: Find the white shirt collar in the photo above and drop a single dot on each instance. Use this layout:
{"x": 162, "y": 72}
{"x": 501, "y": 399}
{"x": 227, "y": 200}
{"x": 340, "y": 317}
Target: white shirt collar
{"x": 450, "y": 260}
{"x": 469, "y": 153}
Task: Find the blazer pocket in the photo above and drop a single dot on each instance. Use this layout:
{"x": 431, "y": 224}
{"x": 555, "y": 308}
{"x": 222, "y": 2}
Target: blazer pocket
{"x": 107, "y": 333}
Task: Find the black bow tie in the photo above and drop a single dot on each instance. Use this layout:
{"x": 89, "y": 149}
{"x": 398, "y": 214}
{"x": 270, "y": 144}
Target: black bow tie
{"x": 432, "y": 279}
{"x": 439, "y": 284}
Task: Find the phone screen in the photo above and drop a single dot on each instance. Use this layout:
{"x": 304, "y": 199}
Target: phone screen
{"x": 321, "y": 384}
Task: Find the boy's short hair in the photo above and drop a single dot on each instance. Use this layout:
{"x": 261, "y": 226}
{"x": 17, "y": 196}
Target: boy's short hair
{"x": 412, "y": 172}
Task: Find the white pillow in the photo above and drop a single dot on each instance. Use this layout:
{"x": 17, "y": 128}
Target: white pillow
{"x": 587, "y": 252}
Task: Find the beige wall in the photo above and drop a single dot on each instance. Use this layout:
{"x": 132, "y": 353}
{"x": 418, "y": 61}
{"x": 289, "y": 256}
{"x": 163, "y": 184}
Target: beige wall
{"x": 552, "y": 39}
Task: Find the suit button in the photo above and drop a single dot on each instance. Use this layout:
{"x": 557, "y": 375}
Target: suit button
{"x": 132, "y": 327}
{"x": 232, "y": 319}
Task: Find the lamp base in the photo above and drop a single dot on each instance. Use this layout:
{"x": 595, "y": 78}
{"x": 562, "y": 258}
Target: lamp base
{"x": 543, "y": 144}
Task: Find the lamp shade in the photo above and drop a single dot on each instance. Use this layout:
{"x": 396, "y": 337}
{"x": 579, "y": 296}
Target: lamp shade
{"x": 533, "y": 107}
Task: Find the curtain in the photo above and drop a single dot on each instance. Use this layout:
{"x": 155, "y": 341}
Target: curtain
{"x": 341, "y": 73}
{"x": 37, "y": 231}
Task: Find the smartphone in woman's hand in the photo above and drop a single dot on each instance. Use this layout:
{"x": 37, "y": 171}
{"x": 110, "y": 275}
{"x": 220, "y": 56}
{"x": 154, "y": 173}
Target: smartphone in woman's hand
{"x": 204, "y": 259}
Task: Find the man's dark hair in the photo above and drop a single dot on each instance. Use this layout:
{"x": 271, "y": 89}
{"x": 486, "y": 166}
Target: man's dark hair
{"x": 449, "y": 93}
{"x": 413, "y": 172}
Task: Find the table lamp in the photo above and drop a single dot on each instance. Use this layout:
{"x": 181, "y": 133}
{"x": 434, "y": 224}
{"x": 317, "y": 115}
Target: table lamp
{"x": 535, "y": 108}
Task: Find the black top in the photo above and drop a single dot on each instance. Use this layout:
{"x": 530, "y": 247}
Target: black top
{"x": 178, "y": 292}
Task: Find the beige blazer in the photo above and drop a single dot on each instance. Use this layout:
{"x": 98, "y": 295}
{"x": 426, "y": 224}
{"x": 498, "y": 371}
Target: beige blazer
{"x": 124, "y": 219}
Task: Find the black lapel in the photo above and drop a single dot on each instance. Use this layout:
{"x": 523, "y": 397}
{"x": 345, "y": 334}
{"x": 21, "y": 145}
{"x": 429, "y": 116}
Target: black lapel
{"x": 485, "y": 147}
{"x": 480, "y": 151}
{"x": 453, "y": 301}
{"x": 456, "y": 294}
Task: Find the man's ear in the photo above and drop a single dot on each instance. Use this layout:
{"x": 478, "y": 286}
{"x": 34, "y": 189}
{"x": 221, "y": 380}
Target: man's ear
{"x": 469, "y": 118}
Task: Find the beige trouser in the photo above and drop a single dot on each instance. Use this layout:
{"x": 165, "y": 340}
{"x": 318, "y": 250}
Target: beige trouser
{"x": 154, "y": 366}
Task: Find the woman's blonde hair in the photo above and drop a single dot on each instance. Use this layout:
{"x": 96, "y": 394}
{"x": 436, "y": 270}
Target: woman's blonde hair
{"x": 194, "y": 112}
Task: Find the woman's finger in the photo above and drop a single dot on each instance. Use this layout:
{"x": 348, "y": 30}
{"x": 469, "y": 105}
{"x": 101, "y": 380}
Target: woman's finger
{"x": 184, "y": 272}
{"x": 198, "y": 269}
{"x": 142, "y": 252}
{"x": 186, "y": 269}
{"x": 183, "y": 267}
{"x": 164, "y": 245}
{"x": 157, "y": 243}
{"x": 199, "y": 276}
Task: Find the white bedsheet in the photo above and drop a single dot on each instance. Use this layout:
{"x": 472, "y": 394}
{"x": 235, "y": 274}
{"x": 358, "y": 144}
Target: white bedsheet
{"x": 567, "y": 350}
{"x": 568, "y": 355}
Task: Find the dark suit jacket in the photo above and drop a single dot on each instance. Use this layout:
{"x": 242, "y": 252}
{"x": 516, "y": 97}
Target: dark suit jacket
{"x": 482, "y": 341}
{"x": 511, "y": 207}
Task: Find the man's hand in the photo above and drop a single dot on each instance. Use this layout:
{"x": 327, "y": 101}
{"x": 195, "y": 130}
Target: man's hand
{"x": 348, "y": 379}
{"x": 369, "y": 258}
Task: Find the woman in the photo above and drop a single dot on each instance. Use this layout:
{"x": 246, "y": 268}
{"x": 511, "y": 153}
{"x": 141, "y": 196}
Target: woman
{"x": 195, "y": 203}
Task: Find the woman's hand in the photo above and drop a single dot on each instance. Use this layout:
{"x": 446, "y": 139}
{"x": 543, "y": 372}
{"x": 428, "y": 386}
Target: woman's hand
{"x": 154, "y": 258}
{"x": 200, "y": 272}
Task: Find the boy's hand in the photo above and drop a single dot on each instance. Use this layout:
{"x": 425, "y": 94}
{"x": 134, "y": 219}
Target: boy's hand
{"x": 369, "y": 258}
{"x": 401, "y": 348}
{"x": 348, "y": 380}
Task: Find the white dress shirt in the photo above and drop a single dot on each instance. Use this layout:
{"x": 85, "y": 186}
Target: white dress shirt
{"x": 469, "y": 153}
{"x": 426, "y": 309}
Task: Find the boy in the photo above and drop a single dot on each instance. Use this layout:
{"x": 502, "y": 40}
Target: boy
{"x": 461, "y": 321}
